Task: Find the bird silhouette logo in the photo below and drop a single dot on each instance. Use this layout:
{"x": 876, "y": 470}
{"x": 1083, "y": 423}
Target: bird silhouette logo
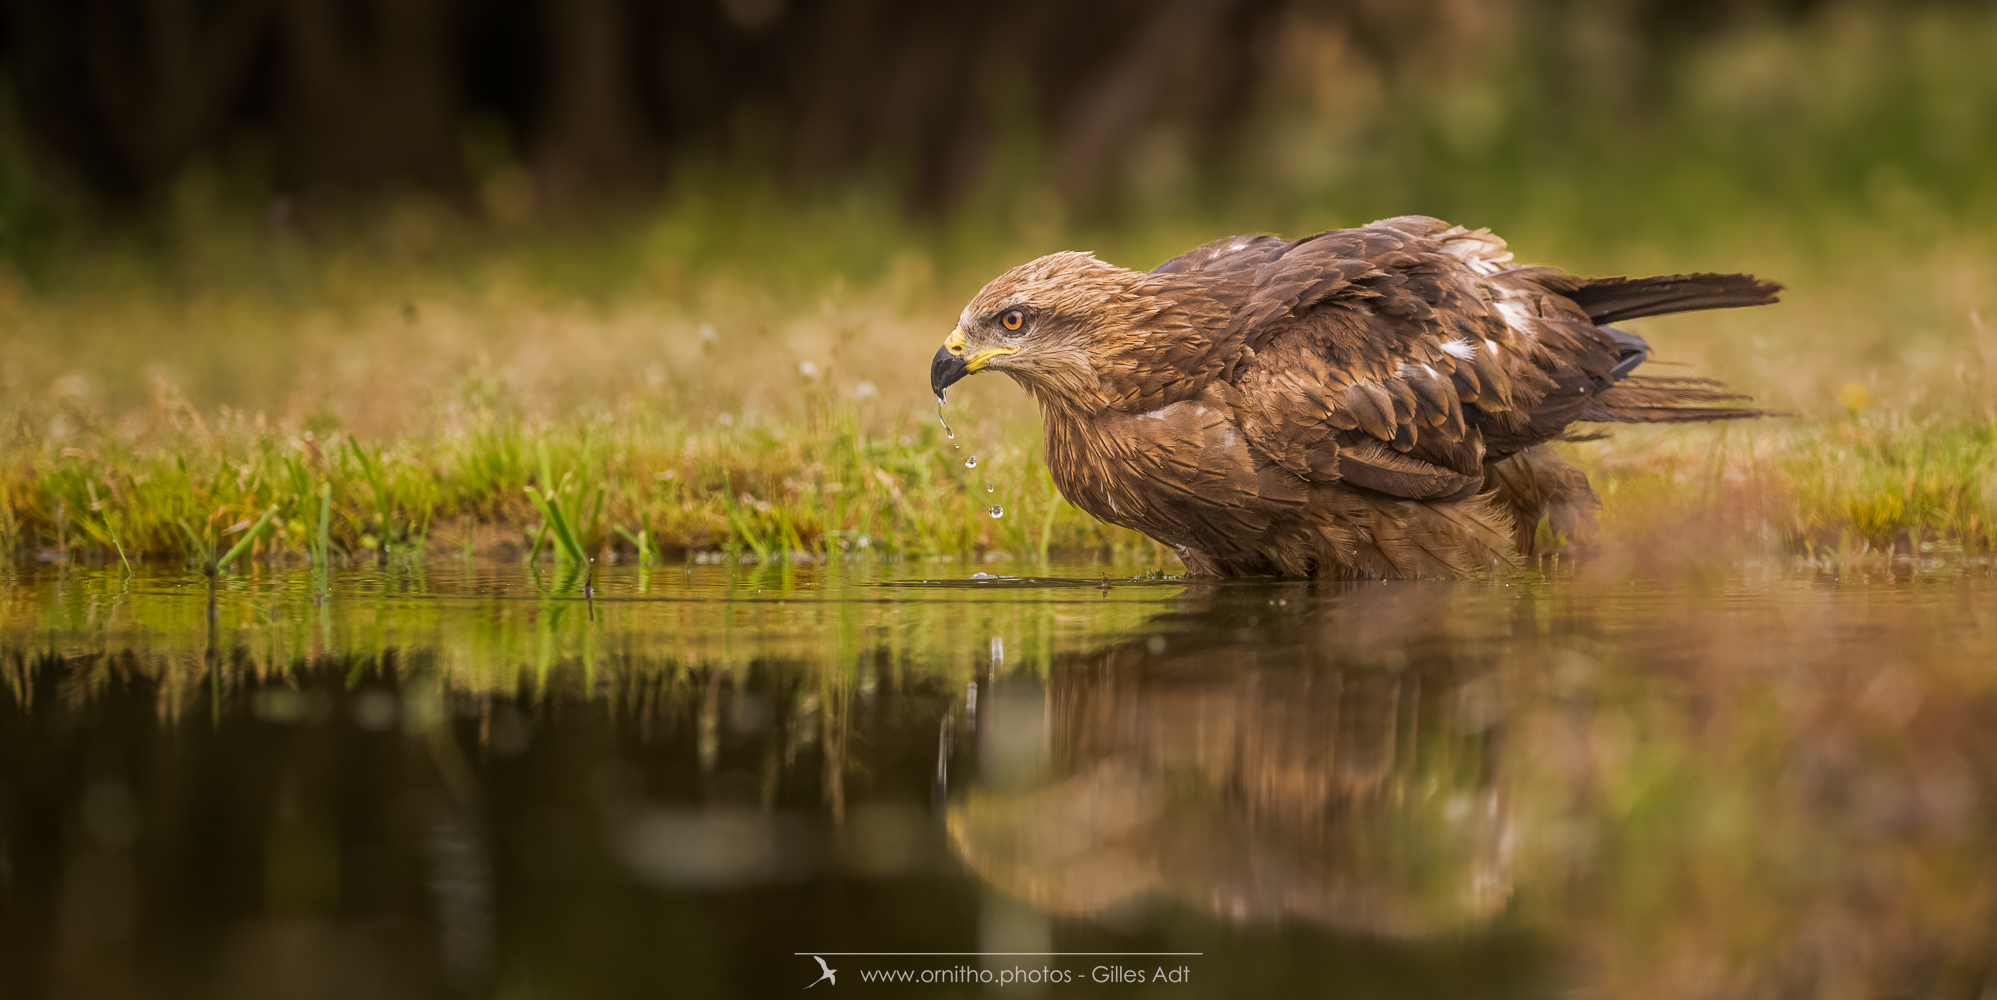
{"x": 831, "y": 975}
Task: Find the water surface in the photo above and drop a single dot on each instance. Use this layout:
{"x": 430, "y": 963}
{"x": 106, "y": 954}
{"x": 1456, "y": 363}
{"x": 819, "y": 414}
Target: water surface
{"x": 434, "y": 780}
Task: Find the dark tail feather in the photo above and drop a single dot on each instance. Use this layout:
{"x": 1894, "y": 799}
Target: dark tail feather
{"x": 1640, "y": 399}
{"x": 1612, "y": 300}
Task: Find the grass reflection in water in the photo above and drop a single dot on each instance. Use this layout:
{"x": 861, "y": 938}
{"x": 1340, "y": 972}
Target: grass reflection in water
{"x": 438, "y": 780}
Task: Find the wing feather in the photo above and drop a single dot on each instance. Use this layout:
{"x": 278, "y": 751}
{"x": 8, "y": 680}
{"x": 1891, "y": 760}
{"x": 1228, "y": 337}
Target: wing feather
{"x": 1373, "y": 408}
{"x": 1407, "y": 338}
{"x": 1384, "y": 470}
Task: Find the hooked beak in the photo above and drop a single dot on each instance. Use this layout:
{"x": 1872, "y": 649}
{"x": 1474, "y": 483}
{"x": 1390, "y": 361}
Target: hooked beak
{"x": 945, "y": 370}
{"x": 949, "y": 365}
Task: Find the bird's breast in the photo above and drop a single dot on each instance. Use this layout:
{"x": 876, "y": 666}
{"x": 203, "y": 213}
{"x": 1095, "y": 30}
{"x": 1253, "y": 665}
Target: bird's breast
{"x": 1183, "y": 474}
{"x": 1095, "y": 479}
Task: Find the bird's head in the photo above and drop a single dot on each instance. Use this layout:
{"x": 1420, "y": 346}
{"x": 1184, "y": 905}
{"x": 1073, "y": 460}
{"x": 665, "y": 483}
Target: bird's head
{"x": 1040, "y": 323}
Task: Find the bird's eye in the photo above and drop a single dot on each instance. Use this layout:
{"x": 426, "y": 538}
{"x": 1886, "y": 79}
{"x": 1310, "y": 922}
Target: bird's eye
{"x": 1012, "y": 319}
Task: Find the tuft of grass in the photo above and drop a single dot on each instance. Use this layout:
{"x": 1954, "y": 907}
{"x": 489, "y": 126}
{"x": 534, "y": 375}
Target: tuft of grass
{"x": 774, "y": 491}
{"x": 1883, "y": 484}
{"x": 556, "y": 522}
{"x": 1880, "y": 485}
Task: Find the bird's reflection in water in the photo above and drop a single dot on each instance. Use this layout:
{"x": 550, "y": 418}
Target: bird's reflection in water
{"x": 1332, "y": 754}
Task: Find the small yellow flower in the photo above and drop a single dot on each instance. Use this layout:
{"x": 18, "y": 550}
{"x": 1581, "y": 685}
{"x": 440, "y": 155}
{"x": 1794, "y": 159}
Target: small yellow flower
{"x": 1854, "y": 397}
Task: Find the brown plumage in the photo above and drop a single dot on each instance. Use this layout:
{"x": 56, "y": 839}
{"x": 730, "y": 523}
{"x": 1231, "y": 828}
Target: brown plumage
{"x": 1361, "y": 403}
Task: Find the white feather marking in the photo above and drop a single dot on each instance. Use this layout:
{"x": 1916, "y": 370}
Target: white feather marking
{"x": 1238, "y": 243}
{"x": 1481, "y": 251}
{"x": 1493, "y": 348}
{"x": 1460, "y": 349}
{"x": 1516, "y": 316}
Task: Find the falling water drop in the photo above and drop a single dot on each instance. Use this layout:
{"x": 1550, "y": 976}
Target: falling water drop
{"x": 947, "y": 432}
{"x": 995, "y": 511}
{"x": 971, "y": 463}
{"x": 991, "y": 489}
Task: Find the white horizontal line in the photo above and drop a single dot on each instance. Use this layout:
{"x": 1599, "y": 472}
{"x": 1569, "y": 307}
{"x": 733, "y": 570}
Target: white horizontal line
{"x": 994, "y": 953}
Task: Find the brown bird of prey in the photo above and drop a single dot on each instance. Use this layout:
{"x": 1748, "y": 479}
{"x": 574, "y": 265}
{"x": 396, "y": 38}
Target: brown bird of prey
{"x": 1363, "y": 403}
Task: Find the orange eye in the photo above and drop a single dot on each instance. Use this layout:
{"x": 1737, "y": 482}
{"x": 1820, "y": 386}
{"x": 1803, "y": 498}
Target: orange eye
{"x": 1013, "y": 319}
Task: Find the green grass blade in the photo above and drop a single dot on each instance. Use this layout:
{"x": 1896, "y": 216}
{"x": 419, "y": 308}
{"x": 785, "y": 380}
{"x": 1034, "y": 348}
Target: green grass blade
{"x": 586, "y": 531}
{"x": 322, "y": 542}
{"x": 565, "y": 532}
{"x": 551, "y": 512}
{"x": 369, "y": 469}
{"x": 637, "y": 540}
{"x": 547, "y": 516}
{"x": 117, "y": 543}
{"x": 739, "y": 522}
{"x": 243, "y": 544}
{"x": 198, "y": 548}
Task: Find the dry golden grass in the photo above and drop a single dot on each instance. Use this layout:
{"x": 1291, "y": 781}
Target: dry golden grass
{"x": 765, "y": 406}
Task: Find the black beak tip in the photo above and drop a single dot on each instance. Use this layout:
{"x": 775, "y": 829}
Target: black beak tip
{"x": 945, "y": 370}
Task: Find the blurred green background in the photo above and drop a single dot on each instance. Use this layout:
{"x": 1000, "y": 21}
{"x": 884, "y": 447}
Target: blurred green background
{"x": 1603, "y": 122}
{"x": 407, "y": 220}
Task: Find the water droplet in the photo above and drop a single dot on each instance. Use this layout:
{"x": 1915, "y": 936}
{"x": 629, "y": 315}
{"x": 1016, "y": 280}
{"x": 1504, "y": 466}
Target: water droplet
{"x": 971, "y": 463}
{"x": 996, "y": 511}
{"x": 991, "y": 489}
{"x": 947, "y": 432}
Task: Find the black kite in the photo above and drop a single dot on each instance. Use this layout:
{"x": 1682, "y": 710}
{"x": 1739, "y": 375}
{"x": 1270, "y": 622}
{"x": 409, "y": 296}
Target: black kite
{"x": 1362, "y": 403}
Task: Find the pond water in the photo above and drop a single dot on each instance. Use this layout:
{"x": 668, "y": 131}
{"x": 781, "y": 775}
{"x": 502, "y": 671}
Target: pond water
{"x": 441, "y": 780}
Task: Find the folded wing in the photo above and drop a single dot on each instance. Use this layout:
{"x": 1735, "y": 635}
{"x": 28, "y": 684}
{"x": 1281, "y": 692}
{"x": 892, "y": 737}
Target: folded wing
{"x": 1404, "y": 356}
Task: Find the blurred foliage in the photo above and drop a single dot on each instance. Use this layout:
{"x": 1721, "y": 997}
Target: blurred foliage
{"x": 1592, "y": 119}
